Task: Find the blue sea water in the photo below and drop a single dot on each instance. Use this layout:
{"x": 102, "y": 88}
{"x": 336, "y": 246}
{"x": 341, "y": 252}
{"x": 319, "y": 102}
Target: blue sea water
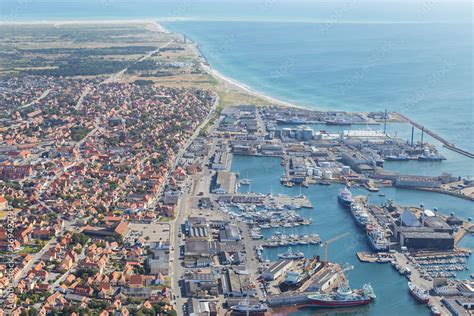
{"x": 421, "y": 70}
{"x": 331, "y": 220}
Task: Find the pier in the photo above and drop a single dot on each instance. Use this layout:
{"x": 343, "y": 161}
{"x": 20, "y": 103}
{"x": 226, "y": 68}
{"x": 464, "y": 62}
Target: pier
{"x": 447, "y": 144}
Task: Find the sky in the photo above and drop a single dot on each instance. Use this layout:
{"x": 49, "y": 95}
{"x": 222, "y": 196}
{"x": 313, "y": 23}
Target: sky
{"x": 261, "y": 10}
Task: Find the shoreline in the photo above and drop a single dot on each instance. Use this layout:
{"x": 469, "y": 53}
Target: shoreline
{"x": 207, "y": 67}
{"x": 230, "y": 81}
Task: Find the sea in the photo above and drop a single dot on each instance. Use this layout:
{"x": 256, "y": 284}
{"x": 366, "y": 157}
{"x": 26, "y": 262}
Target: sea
{"x": 414, "y": 57}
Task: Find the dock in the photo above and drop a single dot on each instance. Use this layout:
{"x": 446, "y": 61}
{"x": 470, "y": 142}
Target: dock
{"x": 447, "y": 144}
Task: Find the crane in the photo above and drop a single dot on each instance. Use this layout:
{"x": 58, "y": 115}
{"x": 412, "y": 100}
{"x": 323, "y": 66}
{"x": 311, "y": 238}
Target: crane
{"x": 326, "y": 244}
{"x": 346, "y": 267}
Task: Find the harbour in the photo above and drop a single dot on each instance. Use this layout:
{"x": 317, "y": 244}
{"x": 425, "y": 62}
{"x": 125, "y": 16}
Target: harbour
{"x": 326, "y": 225}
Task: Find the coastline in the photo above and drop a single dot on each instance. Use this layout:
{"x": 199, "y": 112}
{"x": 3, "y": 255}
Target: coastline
{"x": 227, "y": 80}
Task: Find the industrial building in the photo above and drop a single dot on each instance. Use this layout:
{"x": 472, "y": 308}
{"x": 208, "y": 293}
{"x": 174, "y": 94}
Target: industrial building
{"x": 277, "y": 269}
{"x": 425, "y": 238}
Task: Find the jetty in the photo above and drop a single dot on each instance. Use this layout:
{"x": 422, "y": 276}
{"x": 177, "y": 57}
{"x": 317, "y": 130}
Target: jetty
{"x": 447, "y": 144}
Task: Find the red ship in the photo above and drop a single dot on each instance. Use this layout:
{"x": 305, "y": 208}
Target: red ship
{"x": 343, "y": 297}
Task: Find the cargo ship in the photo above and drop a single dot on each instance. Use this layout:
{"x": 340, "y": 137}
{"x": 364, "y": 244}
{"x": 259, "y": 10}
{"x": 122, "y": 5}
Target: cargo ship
{"x": 344, "y": 296}
{"x": 418, "y": 293}
{"x": 377, "y": 240}
{"x": 345, "y": 197}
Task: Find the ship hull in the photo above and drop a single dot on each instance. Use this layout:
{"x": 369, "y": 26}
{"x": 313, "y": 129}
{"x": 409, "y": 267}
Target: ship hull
{"x": 344, "y": 202}
{"x": 336, "y": 304}
{"x": 376, "y": 247}
{"x": 253, "y": 313}
{"x": 419, "y": 299}
{"x": 360, "y": 223}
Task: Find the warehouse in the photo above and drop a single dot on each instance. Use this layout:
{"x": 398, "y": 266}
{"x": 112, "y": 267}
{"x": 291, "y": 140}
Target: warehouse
{"x": 277, "y": 269}
{"x": 426, "y": 240}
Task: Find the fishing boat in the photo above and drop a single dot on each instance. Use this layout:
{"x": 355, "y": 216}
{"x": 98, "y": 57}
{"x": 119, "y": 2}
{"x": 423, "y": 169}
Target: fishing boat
{"x": 246, "y": 308}
{"x": 400, "y": 157}
{"x": 361, "y": 217}
{"x": 291, "y": 255}
{"x": 345, "y": 197}
{"x": 344, "y": 296}
{"x": 418, "y": 293}
{"x": 377, "y": 240}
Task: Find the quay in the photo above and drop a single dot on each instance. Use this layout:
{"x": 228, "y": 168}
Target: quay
{"x": 447, "y": 144}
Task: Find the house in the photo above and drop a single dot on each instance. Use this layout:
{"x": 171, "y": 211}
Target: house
{"x": 3, "y": 203}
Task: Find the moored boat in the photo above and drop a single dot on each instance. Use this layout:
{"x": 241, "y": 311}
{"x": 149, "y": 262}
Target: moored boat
{"x": 418, "y": 293}
{"x": 435, "y": 311}
{"x": 291, "y": 255}
{"x": 377, "y": 240}
{"x": 345, "y": 197}
{"x": 245, "y": 308}
{"x": 361, "y": 217}
{"x": 344, "y": 296}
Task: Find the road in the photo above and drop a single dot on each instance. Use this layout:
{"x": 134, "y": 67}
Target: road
{"x": 119, "y": 74}
{"x": 176, "y": 270}
{"x": 42, "y": 96}
{"x": 36, "y": 257}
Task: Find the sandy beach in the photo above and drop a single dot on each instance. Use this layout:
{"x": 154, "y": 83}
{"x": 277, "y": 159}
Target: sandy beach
{"x": 58, "y": 23}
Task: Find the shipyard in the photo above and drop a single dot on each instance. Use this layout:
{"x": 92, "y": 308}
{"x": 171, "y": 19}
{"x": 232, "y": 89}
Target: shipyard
{"x": 228, "y": 227}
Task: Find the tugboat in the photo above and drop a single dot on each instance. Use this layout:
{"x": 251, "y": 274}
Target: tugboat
{"x": 344, "y": 296}
{"x": 291, "y": 255}
{"x": 245, "y": 308}
{"x": 345, "y": 197}
{"x": 418, "y": 293}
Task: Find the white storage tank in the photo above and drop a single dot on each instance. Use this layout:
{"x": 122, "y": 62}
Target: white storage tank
{"x": 325, "y": 164}
{"x": 317, "y": 172}
{"x": 327, "y": 174}
{"x": 345, "y": 170}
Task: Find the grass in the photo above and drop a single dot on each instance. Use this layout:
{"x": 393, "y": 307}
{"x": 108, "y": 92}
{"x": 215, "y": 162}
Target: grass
{"x": 165, "y": 219}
